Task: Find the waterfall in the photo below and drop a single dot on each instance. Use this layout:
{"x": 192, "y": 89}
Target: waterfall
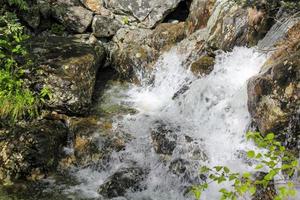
{"x": 211, "y": 110}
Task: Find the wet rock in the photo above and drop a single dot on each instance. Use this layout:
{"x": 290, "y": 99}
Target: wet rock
{"x": 67, "y": 69}
{"x": 274, "y": 93}
{"x": 120, "y": 182}
{"x": 72, "y": 15}
{"x": 105, "y": 26}
{"x": 278, "y": 32}
{"x": 179, "y": 166}
{"x": 149, "y": 13}
{"x": 187, "y": 172}
{"x": 203, "y": 66}
{"x": 181, "y": 91}
{"x": 91, "y": 141}
{"x": 200, "y": 11}
{"x": 164, "y": 139}
{"x": 31, "y": 151}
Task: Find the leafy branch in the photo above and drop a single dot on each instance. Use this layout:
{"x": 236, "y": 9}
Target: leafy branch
{"x": 276, "y": 161}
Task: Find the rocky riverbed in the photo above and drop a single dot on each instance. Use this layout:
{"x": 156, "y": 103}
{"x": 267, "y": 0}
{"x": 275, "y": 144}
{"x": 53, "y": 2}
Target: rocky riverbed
{"x": 141, "y": 90}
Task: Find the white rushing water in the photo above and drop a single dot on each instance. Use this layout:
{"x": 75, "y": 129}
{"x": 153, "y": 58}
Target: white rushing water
{"x": 212, "y": 110}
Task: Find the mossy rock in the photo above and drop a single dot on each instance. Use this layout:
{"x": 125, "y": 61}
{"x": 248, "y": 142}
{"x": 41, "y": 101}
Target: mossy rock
{"x": 203, "y": 65}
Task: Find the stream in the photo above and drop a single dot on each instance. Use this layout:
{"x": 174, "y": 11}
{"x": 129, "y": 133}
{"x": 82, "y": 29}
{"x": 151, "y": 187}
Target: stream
{"x": 211, "y": 112}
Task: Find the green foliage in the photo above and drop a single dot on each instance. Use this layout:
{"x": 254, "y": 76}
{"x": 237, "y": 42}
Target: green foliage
{"x": 15, "y": 99}
{"x": 21, "y": 4}
{"x": 57, "y": 29}
{"x": 276, "y": 161}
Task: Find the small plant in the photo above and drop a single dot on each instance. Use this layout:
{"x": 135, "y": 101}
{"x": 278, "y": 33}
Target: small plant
{"x": 16, "y": 100}
{"x": 57, "y": 29}
{"x": 275, "y": 162}
{"x": 125, "y": 20}
{"x": 20, "y": 4}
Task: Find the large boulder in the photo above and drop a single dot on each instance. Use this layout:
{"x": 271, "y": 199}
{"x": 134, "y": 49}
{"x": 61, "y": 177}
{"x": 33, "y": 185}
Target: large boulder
{"x": 136, "y": 49}
{"x": 274, "y": 93}
{"x": 72, "y": 15}
{"x": 31, "y": 151}
{"x": 148, "y": 12}
{"x": 121, "y": 181}
{"x": 67, "y": 69}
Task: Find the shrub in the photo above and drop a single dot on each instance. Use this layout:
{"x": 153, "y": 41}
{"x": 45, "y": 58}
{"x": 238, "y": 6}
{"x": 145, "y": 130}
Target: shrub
{"x": 276, "y": 161}
{"x": 16, "y": 100}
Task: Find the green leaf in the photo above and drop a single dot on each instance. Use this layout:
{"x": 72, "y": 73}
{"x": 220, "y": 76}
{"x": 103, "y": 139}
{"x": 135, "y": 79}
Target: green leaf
{"x": 226, "y": 170}
{"x": 251, "y": 154}
{"x": 258, "y": 156}
{"x": 252, "y": 190}
{"x": 218, "y": 168}
{"x": 294, "y": 163}
{"x": 204, "y": 169}
{"x": 270, "y": 136}
{"x": 259, "y": 166}
{"x": 246, "y": 175}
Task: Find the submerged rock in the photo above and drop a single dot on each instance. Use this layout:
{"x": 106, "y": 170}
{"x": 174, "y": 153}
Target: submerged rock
{"x": 120, "y": 182}
{"x": 164, "y": 139}
{"x": 91, "y": 140}
{"x": 67, "y": 69}
{"x": 203, "y": 66}
{"x": 30, "y": 152}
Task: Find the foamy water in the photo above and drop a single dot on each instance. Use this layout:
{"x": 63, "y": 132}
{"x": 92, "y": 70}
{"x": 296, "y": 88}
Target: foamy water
{"x": 213, "y": 111}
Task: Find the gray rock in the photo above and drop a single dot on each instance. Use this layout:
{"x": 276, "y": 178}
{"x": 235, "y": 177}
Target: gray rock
{"x": 68, "y": 69}
{"x": 73, "y": 16}
{"x": 105, "y": 26}
{"x": 121, "y": 181}
{"x": 148, "y": 12}
{"x": 138, "y": 49}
